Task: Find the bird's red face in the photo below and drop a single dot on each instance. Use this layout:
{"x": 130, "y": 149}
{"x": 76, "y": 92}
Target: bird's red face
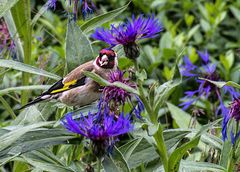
{"x": 107, "y": 59}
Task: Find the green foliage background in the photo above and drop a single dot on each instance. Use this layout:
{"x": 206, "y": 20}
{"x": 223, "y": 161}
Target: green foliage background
{"x": 48, "y": 46}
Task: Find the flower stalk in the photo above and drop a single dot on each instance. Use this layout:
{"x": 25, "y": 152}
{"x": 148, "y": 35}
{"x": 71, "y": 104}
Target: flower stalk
{"x": 233, "y": 160}
{"x": 158, "y": 136}
{"x": 98, "y": 164}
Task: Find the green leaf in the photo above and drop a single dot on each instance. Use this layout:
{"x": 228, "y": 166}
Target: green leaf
{"x": 166, "y": 41}
{"x": 9, "y": 138}
{"x": 109, "y": 165}
{"x": 138, "y": 151}
{"x": 192, "y": 166}
{"x": 6, "y": 5}
{"x": 96, "y": 78}
{"x": 165, "y": 90}
{"x": 104, "y": 82}
{"x": 46, "y": 161}
{"x": 221, "y": 84}
{"x": 176, "y": 156}
{"x": 37, "y": 139}
{"x": 182, "y": 118}
{"x": 173, "y": 136}
{"x": 14, "y": 34}
{"x": 7, "y": 107}
{"x": 21, "y": 14}
{"x": 78, "y": 47}
{"x": 193, "y": 31}
{"x": 227, "y": 60}
{"x": 26, "y": 68}
{"x": 212, "y": 140}
{"x": 129, "y": 147}
{"x": 20, "y": 166}
{"x": 226, "y": 153}
{"x": 125, "y": 87}
{"x": 31, "y": 87}
{"x": 101, "y": 19}
{"x": 236, "y": 12}
{"x": 120, "y": 161}
{"x": 42, "y": 10}
{"x": 35, "y": 113}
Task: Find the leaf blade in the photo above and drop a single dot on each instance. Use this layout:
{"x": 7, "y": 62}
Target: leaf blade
{"x": 26, "y": 68}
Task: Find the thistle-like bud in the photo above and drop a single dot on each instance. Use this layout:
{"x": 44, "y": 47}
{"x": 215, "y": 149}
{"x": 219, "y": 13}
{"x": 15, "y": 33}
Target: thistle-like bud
{"x": 131, "y": 51}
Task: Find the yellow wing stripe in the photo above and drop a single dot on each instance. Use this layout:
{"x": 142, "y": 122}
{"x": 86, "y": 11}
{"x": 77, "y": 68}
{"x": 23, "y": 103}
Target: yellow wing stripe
{"x": 65, "y": 87}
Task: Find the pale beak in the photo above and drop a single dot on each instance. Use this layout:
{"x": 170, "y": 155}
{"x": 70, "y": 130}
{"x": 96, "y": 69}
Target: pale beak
{"x": 104, "y": 60}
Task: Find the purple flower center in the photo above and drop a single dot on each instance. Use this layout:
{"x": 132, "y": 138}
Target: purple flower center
{"x": 234, "y": 111}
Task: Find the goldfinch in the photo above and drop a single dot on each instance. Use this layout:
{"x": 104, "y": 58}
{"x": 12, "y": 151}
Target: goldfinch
{"x": 75, "y": 89}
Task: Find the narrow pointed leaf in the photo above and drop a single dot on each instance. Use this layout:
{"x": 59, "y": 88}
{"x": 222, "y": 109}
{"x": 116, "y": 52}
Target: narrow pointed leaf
{"x": 6, "y": 5}
{"x": 26, "y": 68}
{"x": 30, "y": 87}
{"x": 101, "y": 19}
{"x": 10, "y": 137}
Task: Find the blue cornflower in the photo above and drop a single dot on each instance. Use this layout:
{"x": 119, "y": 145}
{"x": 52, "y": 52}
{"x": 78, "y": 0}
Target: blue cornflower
{"x": 139, "y": 108}
{"x": 52, "y": 4}
{"x": 128, "y": 33}
{"x": 101, "y": 128}
{"x": 87, "y": 6}
{"x": 6, "y": 41}
{"x": 232, "y": 113}
{"x": 206, "y": 89}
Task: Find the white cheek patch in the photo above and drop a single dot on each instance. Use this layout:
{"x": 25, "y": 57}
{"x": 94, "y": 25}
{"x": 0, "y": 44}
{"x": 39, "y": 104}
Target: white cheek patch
{"x": 104, "y": 58}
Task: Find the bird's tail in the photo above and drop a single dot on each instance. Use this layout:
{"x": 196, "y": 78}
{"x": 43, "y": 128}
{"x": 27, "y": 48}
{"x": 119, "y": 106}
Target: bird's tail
{"x": 37, "y": 100}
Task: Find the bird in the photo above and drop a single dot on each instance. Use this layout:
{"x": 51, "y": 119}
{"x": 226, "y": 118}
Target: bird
{"x": 75, "y": 89}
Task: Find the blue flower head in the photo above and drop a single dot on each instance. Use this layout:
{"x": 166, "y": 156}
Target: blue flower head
{"x": 139, "y": 108}
{"x": 6, "y": 41}
{"x": 128, "y": 33}
{"x": 102, "y": 128}
{"x": 205, "y": 88}
{"x": 232, "y": 113}
{"x": 51, "y": 4}
{"x": 87, "y": 7}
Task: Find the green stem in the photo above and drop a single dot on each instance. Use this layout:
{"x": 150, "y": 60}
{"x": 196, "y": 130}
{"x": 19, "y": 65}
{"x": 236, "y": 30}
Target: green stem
{"x": 21, "y": 13}
{"x": 98, "y": 165}
{"x": 145, "y": 102}
{"x": 26, "y": 49}
{"x": 153, "y": 116}
{"x": 8, "y": 107}
{"x": 233, "y": 159}
{"x": 158, "y": 136}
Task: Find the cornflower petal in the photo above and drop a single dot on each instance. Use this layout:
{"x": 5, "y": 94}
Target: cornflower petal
{"x": 131, "y": 31}
{"x": 51, "y": 4}
{"x": 101, "y": 128}
{"x": 204, "y": 56}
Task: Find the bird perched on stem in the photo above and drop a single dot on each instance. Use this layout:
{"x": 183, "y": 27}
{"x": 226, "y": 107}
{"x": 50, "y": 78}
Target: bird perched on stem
{"x": 75, "y": 89}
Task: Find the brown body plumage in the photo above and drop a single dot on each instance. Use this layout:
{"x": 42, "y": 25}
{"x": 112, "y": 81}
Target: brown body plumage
{"x": 75, "y": 89}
